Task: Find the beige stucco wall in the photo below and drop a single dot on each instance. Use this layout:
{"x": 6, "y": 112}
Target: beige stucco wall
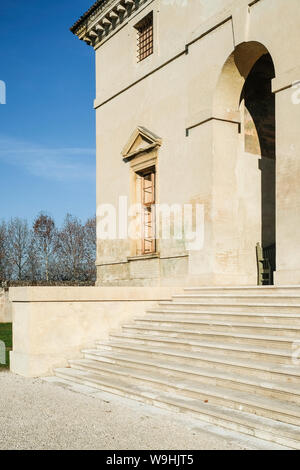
{"x": 178, "y": 88}
{"x": 5, "y": 307}
{"x": 53, "y": 324}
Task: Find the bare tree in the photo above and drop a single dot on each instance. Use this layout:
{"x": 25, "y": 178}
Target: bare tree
{"x": 17, "y": 246}
{"x": 34, "y": 259}
{"x": 45, "y": 253}
{"x": 71, "y": 249}
{"x": 3, "y": 252}
{"x": 90, "y": 250}
{"x": 45, "y": 232}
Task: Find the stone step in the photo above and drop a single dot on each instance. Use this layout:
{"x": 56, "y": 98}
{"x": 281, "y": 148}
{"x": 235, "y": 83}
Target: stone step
{"x": 227, "y": 355}
{"x": 230, "y": 299}
{"x": 208, "y": 325}
{"x": 244, "y": 290}
{"x": 236, "y": 399}
{"x": 248, "y": 442}
{"x": 197, "y": 389}
{"x": 261, "y": 369}
{"x": 217, "y": 377}
{"x": 241, "y": 307}
{"x": 225, "y": 337}
{"x": 274, "y": 317}
{"x": 243, "y": 351}
{"x": 264, "y": 428}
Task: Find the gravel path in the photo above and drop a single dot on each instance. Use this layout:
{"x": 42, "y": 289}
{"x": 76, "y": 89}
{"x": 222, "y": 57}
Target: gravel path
{"x": 35, "y": 414}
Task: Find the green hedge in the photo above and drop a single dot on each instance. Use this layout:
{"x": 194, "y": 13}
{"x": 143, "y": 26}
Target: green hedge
{"x": 6, "y": 337}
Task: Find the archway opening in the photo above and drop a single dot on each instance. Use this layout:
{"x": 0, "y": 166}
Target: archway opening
{"x": 244, "y": 93}
{"x": 257, "y": 107}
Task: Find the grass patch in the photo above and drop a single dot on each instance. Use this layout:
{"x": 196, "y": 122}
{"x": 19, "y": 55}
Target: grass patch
{"x": 6, "y": 337}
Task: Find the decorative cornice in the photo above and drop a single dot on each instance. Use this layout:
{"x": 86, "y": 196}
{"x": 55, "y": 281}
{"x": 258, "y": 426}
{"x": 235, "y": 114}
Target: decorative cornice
{"x": 151, "y": 142}
{"x": 94, "y": 9}
{"x": 103, "y": 18}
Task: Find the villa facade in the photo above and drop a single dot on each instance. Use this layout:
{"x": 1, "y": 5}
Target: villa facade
{"x": 198, "y": 201}
{"x": 197, "y": 106}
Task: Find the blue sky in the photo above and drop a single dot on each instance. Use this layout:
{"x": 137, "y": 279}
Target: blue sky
{"x": 47, "y": 126}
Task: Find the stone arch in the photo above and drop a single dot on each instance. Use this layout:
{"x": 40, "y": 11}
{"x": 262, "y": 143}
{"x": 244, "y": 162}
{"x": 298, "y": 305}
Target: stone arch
{"x": 244, "y": 95}
{"x": 233, "y": 76}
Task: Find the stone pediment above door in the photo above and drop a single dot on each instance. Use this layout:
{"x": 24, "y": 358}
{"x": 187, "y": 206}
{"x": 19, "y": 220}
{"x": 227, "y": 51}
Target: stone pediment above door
{"x": 141, "y": 141}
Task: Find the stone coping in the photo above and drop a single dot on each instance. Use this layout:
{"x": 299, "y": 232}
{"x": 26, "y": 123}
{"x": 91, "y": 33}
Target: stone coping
{"x": 91, "y": 294}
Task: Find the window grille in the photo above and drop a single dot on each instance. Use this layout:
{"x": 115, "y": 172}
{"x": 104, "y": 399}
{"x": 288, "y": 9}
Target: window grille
{"x": 145, "y": 37}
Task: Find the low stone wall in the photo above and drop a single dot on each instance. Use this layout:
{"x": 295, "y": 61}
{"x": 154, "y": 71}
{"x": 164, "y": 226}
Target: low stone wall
{"x": 53, "y": 324}
{"x": 5, "y": 307}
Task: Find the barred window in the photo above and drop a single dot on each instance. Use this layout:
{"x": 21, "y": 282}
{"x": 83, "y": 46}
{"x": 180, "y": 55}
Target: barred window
{"x": 145, "y": 37}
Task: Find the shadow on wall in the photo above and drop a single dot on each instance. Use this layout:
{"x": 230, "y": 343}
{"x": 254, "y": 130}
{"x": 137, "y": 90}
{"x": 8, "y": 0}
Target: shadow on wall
{"x": 244, "y": 89}
{"x": 260, "y": 124}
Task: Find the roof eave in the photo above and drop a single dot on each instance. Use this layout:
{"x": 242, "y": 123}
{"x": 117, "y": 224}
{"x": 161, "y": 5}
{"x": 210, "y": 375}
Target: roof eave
{"x": 85, "y": 16}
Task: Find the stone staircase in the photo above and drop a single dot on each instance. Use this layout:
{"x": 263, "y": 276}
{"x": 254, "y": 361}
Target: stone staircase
{"x": 225, "y": 355}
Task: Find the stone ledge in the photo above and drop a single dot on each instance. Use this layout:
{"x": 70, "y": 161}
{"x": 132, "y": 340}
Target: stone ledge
{"x": 286, "y": 80}
{"x": 143, "y": 257}
{"x": 90, "y": 294}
